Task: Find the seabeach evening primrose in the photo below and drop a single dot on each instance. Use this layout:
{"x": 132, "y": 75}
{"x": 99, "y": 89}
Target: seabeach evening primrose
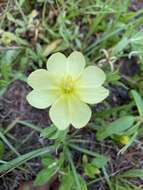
{"x": 68, "y": 87}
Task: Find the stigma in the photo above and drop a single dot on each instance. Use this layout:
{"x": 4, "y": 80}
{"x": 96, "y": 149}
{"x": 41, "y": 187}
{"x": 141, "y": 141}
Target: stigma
{"x": 67, "y": 85}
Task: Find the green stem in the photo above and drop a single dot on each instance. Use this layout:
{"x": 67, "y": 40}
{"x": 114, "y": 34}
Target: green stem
{"x": 74, "y": 170}
{"x": 4, "y": 139}
{"x": 84, "y": 150}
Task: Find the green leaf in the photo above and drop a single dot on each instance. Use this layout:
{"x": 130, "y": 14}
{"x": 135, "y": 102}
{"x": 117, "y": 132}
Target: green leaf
{"x": 21, "y": 2}
{"x": 75, "y": 174}
{"x": 53, "y": 133}
{"x": 137, "y": 38}
{"x": 48, "y": 160}
{"x": 9, "y": 56}
{"x": 133, "y": 173}
{"x": 82, "y": 183}
{"x": 136, "y": 42}
{"x": 113, "y": 77}
{"x": 30, "y": 125}
{"x": 6, "y": 141}
{"x": 123, "y": 184}
{"x": 24, "y": 158}
{"x": 49, "y": 132}
{"x": 121, "y": 187}
{"x": 5, "y": 70}
{"x": 51, "y": 166}
{"x": 91, "y": 170}
{"x": 121, "y": 45}
{"x": 3, "y": 83}
{"x": 115, "y": 127}
{"x": 44, "y": 176}
{"x": 67, "y": 181}
{"x": 138, "y": 100}
{"x": 100, "y": 161}
{"x": 1, "y": 149}
{"x": 83, "y": 150}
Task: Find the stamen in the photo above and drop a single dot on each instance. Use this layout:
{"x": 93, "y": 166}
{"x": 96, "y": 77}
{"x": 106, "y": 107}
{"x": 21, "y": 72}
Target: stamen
{"x": 67, "y": 85}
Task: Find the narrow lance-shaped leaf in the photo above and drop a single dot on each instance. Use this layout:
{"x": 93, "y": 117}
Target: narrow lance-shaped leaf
{"x": 45, "y": 175}
{"x": 24, "y": 158}
{"x": 133, "y": 173}
{"x": 138, "y": 100}
{"x": 121, "y": 45}
{"x": 115, "y": 127}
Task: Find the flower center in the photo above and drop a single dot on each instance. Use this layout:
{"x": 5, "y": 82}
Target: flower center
{"x": 67, "y": 85}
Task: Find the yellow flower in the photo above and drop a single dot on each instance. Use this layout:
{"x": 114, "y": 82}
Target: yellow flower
{"x": 67, "y": 86}
{"x": 124, "y": 139}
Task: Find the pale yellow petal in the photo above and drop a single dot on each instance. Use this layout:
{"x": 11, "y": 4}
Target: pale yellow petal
{"x": 42, "y": 99}
{"x": 76, "y": 63}
{"x": 59, "y": 113}
{"x": 57, "y": 64}
{"x": 41, "y": 79}
{"x": 92, "y": 76}
{"x": 80, "y": 113}
{"x": 93, "y": 95}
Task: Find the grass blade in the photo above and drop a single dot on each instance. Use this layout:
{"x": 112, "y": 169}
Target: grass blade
{"x": 24, "y": 158}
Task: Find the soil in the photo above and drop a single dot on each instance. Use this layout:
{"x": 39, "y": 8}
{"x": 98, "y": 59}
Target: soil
{"x": 14, "y": 107}
{"x": 136, "y": 5}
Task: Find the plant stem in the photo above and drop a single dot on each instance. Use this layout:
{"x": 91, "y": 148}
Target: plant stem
{"x": 74, "y": 170}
